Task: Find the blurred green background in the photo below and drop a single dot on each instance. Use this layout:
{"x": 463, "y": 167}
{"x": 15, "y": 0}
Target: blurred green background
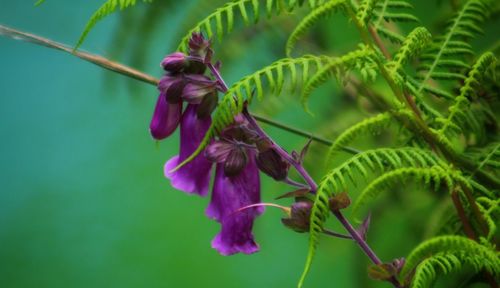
{"x": 83, "y": 200}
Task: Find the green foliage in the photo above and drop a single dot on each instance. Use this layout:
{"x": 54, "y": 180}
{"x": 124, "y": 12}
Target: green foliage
{"x": 460, "y": 113}
{"x": 363, "y": 164}
{"x": 390, "y": 11}
{"x": 374, "y": 124}
{"x": 107, "y": 8}
{"x": 360, "y": 59}
{"x": 446, "y": 254}
{"x": 223, "y": 18}
{"x": 365, "y": 11}
{"x": 490, "y": 210}
{"x": 447, "y": 52}
{"x": 414, "y": 43}
{"x": 432, "y": 177}
{"x": 310, "y": 20}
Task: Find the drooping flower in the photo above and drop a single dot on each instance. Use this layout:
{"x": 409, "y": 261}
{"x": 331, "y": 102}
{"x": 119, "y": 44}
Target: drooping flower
{"x": 236, "y": 185}
{"x": 166, "y": 118}
{"x": 230, "y": 194}
{"x": 194, "y": 177}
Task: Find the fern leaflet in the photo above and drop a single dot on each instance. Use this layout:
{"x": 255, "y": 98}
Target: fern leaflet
{"x": 311, "y": 19}
{"x": 223, "y": 17}
{"x": 107, "y": 8}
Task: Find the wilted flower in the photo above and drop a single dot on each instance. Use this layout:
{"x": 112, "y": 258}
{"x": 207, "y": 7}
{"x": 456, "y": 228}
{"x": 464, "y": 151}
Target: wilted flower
{"x": 270, "y": 162}
{"x": 299, "y": 219}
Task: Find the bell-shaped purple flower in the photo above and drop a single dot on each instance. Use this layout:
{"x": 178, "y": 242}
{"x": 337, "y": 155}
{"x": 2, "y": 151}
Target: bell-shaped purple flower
{"x": 166, "y": 118}
{"x": 229, "y": 195}
{"x": 194, "y": 177}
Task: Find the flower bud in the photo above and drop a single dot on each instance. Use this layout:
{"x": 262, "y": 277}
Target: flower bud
{"x": 198, "y": 45}
{"x": 241, "y": 133}
{"x": 339, "y": 201}
{"x": 299, "y": 219}
{"x": 235, "y": 161}
{"x": 174, "y": 62}
{"x": 272, "y": 164}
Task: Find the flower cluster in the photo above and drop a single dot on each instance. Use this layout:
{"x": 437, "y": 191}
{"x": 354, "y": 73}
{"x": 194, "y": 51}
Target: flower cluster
{"x": 238, "y": 153}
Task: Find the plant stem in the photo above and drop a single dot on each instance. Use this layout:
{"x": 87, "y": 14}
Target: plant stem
{"x": 138, "y": 75}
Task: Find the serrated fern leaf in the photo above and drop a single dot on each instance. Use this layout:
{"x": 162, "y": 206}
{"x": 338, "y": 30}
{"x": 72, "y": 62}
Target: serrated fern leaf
{"x": 445, "y": 254}
{"x": 432, "y": 177}
{"x": 451, "y": 47}
{"x": 460, "y": 113}
{"x": 374, "y": 124}
{"x": 221, "y": 21}
{"x": 445, "y": 263}
{"x": 339, "y": 67}
{"x": 365, "y": 11}
{"x": 490, "y": 210}
{"x": 311, "y": 19}
{"x": 107, "y": 8}
{"x": 383, "y": 159}
{"x": 413, "y": 44}
{"x": 391, "y": 11}
{"x": 273, "y": 74}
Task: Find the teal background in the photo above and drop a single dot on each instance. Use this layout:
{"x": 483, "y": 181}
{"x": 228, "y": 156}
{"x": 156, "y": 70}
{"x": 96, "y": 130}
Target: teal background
{"x": 83, "y": 200}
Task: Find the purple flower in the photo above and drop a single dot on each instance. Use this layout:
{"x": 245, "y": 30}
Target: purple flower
{"x": 236, "y": 185}
{"x": 229, "y": 195}
{"x": 194, "y": 177}
{"x": 174, "y": 62}
{"x": 166, "y": 117}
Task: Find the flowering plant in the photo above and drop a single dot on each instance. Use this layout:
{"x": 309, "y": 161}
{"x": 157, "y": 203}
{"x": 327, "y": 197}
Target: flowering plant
{"x": 439, "y": 105}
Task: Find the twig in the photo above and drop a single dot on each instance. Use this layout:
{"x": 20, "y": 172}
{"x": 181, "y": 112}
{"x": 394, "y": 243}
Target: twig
{"x": 141, "y": 76}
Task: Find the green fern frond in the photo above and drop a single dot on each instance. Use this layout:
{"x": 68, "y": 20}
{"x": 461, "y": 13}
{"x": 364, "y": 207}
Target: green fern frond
{"x": 447, "y": 254}
{"x": 339, "y": 67}
{"x": 383, "y": 159}
{"x": 446, "y": 263}
{"x": 311, "y": 19}
{"x": 391, "y": 10}
{"x": 107, "y": 8}
{"x": 490, "y": 210}
{"x": 432, "y": 178}
{"x": 460, "y": 112}
{"x": 452, "y": 46}
{"x": 374, "y": 124}
{"x": 487, "y": 156}
{"x": 222, "y": 19}
{"x": 39, "y": 2}
{"x": 274, "y": 75}
{"x": 413, "y": 44}
{"x": 365, "y": 11}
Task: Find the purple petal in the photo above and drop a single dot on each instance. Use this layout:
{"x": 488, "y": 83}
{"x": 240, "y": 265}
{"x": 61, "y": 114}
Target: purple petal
{"x": 230, "y": 194}
{"x": 166, "y": 117}
{"x": 194, "y": 177}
